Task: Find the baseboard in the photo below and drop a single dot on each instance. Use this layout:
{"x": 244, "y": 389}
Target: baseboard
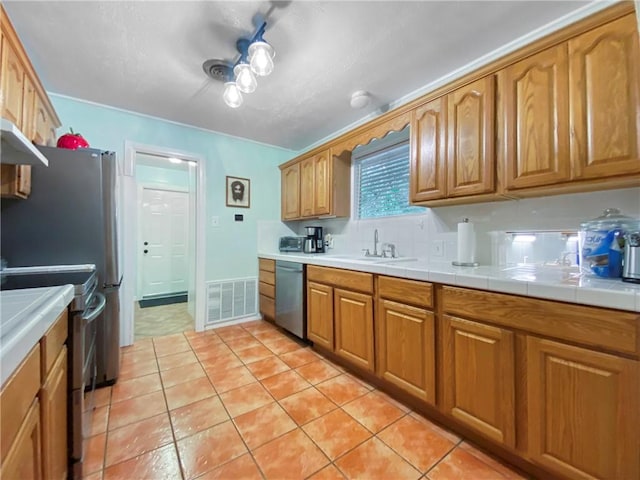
{"x": 157, "y": 300}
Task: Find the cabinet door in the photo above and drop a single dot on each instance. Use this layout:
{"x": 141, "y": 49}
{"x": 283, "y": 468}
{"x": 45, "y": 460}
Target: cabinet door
{"x": 291, "y": 192}
{"x": 44, "y": 132}
{"x": 536, "y": 119}
{"x": 28, "y": 108}
{"x": 354, "y": 327}
{"x": 320, "y": 314}
{"x": 582, "y": 411}
{"x": 471, "y": 156}
{"x": 54, "y": 420}
{"x": 16, "y": 181}
{"x": 479, "y": 382}
{"x": 428, "y": 151}
{"x": 24, "y": 458}
{"x": 605, "y": 100}
{"x": 306, "y": 187}
{"x": 13, "y": 75}
{"x": 406, "y": 348}
{"x": 323, "y": 186}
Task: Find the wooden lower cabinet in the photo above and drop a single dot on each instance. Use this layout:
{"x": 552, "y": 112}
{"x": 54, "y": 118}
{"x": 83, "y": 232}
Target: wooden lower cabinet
{"x": 267, "y": 288}
{"x": 320, "y": 314}
{"x": 54, "y": 420}
{"x": 23, "y": 461}
{"x": 16, "y": 181}
{"x": 406, "y": 348}
{"x": 354, "y": 327}
{"x": 479, "y": 381}
{"x": 582, "y": 411}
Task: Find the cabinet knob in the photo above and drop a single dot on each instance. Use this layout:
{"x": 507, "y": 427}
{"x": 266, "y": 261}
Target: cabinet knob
{"x": 146, "y": 243}
{"x": 146, "y": 251}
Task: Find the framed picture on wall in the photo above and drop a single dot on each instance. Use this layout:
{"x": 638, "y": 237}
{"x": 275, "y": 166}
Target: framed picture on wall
{"x": 238, "y": 192}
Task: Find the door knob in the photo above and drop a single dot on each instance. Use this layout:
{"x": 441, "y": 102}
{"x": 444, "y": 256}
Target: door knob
{"x": 146, "y": 251}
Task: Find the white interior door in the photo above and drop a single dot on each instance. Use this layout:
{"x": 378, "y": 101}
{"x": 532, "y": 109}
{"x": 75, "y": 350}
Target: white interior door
{"x": 163, "y": 236}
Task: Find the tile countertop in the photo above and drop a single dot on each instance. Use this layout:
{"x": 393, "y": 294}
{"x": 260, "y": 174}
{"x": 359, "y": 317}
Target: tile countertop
{"x": 25, "y": 316}
{"x": 565, "y": 284}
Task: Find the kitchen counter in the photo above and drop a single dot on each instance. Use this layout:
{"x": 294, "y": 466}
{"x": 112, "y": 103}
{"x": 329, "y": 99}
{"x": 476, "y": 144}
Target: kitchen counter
{"x": 25, "y": 316}
{"x": 560, "y": 283}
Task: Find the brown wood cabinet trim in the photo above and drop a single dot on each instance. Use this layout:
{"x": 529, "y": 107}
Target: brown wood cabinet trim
{"x": 587, "y": 325}
{"x": 53, "y": 341}
{"x": 267, "y": 264}
{"x": 267, "y": 277}
{"x": 563, "y": 34}
{"x": 352, "y": 280}
{"x": 16, "y": 398}
{"x": 410, "y": 292}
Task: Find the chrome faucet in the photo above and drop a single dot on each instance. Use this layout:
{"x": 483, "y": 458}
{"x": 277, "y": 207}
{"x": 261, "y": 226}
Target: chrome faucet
{"x": 375, "y": 243}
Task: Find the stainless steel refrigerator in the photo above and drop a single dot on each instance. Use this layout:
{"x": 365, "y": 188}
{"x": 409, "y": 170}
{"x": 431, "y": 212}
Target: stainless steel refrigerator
{"x": 70, "y": 218}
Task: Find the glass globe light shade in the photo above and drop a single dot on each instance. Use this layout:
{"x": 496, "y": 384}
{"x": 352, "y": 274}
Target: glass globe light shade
{"x": 232, "y": 96}
{"x": 245, "y": 79}
{"x": 261, "y": 58}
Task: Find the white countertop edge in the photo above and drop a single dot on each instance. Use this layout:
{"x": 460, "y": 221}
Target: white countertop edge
{"x": 14, "y": 349}
{"x": 594, "y": 292}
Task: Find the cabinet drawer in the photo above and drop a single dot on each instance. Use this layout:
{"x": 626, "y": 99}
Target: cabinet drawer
{"x": 267, "y": 264}
{"x": 17, "y": 396}
{"x": 600, "y": 327}
{"x": 52, "y": 342}
{"x": 267, "y": 306}
{"x": 341, "y": 278}
{"x": 267, "y": 290}
{"x": 406, "y": 291}
{"x": 267, "y": 277}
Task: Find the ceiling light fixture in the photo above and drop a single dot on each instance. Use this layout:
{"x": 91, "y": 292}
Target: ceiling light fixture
{"x": 256, "y": 58}
{"x": 360, "y": 99}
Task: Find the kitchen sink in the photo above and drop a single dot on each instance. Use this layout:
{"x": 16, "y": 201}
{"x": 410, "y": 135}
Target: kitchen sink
{"x": 363, "y": 259}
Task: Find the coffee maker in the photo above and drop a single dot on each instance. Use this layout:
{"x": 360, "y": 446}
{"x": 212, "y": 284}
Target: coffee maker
{"x": 314, "y": 242}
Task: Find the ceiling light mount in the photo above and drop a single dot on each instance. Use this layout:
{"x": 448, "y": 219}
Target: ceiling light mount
{"x": 255, "y": 59}
{"x": 360, "y": 99}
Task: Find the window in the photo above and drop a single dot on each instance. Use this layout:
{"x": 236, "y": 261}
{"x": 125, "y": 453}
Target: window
{"x": 382, "y": 177}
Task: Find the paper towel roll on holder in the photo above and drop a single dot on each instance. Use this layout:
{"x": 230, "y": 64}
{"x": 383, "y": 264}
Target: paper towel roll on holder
{"x": 466, "y": 252}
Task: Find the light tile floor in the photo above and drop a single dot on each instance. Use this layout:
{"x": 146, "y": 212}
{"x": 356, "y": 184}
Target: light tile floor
{"x": 161, "y": 320}
{"x": 248, "y": 402}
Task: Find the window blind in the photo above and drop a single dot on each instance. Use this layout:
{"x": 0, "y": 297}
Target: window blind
{"x": 382, "y": 182}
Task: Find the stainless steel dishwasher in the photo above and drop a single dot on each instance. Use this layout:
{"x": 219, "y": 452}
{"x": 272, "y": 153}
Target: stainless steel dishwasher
{"x": 290, "y": 298}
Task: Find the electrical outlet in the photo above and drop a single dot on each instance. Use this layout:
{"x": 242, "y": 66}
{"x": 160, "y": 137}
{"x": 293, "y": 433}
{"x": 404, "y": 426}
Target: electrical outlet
{"x": 437, "y": 248}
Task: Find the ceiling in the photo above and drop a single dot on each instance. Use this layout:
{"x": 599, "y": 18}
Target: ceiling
{"x": 147, "y": 56}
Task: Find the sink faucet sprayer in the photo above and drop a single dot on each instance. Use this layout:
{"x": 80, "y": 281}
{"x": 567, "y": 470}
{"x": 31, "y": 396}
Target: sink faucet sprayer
{"x": 375, "y": 243}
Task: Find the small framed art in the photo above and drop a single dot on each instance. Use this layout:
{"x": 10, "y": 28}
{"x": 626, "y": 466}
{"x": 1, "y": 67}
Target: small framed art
{"x": 238, "y": 192}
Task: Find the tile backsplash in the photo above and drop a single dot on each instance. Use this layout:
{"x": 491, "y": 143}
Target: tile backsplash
{"x": 432, "y": 235}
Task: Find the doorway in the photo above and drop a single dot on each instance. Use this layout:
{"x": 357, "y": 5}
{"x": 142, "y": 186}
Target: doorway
{"x": 163, "y": 247}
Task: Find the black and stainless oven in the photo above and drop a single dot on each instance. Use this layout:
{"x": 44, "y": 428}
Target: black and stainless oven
{"x": 84, "y": 314}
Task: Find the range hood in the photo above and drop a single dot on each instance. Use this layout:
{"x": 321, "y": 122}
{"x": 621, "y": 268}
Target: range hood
{"x": 17, "y": 149}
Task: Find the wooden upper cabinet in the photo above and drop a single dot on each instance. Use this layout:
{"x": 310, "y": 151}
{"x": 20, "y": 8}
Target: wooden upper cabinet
{"x": 479, "y": 380}
{"x": 535, "y": 119}
{"x": 582, "y": 411}
{"x": 44, "y": 132}
{"x": 471, "y": 157}
{"x": 322, "y": 184}
{"x": 428, "y": 151}
{"x": 354, "y": 327}
{"x": 306, "y": 187}
{"x": 605, "y": 100}
{"x": 13, "y": 76}
{"x": 315, "y": 185}
{"x": 291, "y": 192}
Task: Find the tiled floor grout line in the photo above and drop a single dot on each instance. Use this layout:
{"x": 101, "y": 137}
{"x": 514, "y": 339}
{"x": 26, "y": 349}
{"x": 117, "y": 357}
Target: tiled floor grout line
{"x": 231, "y": 337}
